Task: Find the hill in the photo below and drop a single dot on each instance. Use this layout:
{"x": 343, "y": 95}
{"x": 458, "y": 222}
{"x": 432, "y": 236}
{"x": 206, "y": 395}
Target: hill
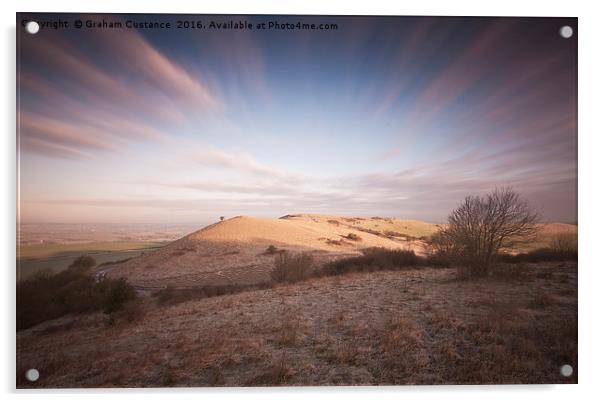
{"x": 235, "y": 251}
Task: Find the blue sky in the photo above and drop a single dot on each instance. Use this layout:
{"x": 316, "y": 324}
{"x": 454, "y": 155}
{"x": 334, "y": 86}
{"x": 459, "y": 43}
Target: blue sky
{"x": 395, "y": 116}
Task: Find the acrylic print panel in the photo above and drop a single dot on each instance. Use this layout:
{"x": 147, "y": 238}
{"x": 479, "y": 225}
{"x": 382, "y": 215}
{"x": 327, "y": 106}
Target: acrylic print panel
{"x": 266, "y": 200}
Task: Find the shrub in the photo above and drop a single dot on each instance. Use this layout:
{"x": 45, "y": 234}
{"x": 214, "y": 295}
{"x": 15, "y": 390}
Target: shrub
{"x": 373, "y": 259}
{"x": 47, "y": 296}
{"x": 83, "y": 262}
{"x": 440, "y": 250}
{"x": 292, "y": 267}
{"x": 130, "y": 311}
{"x": 354, "y": 237}
{"x": 439, "y": 260}
{"x": 119, "y": 293}
{"x": 271, "y": 249}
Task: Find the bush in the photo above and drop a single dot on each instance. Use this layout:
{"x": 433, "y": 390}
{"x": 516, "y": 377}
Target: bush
{"x": 441, "y": 251}
{"x": 129, "y": 312}
{"x": 47, "y": 296}
{"x": 353, "y": 236}
{"x": 271, "y": 249}
{"x": 83, "y": 262}
{"x": 292, "y": 267}
{"x": 440, "y": 260}
{"x": 119, "y": 293}
{"x": 373, "y": 259}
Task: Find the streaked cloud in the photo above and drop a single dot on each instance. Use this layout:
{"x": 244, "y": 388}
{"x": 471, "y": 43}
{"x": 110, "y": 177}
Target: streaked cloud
{"x": 109, "y": 93}
{"x": 400, "y": 117}
{"x": 242, "y": 162}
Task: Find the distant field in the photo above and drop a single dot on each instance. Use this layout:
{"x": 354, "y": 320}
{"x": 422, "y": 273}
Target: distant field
{"x": 59, "y": 250}
{"x": 57, "y": 257}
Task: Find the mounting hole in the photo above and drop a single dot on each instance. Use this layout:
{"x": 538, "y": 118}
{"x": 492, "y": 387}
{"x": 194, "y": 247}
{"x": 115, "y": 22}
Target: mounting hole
{"x": 566, "y": 31}
{"x": 566, "y": 370}
{"x": 32, "y": 375}
{"x": 32, "y": 27}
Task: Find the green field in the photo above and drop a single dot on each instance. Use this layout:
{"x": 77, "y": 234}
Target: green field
{"x": 57, "y": 257}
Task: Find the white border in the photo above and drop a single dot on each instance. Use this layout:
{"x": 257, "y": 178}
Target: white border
{"x": 590, "y": 68}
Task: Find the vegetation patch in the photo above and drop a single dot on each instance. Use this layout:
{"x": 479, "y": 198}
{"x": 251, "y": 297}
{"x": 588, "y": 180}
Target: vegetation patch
{"x": 47, "y": 296}
{"x": 292, "y": 267}
{"x": 172, "y": 295}
{"x": 353, "y": 237}
{"x": 271, "y": 250}
{"x": 373, "y": 259}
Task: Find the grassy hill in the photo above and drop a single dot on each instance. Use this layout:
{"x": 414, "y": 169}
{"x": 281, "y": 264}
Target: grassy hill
{"x": 234, "y": 251}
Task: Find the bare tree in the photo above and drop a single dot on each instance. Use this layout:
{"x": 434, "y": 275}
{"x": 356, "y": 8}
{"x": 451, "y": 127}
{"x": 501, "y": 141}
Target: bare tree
{"x": 440, "y": 248}
{"x": 481, "y": 226}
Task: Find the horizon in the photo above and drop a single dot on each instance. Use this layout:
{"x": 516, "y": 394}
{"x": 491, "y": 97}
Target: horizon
{"x": 397, "y": 116}
{"x": 217, "y": 220}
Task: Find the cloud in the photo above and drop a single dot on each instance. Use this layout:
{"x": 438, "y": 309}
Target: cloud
{"x": 115, "y": 91}
{"x": 142, "y": 59}
{"x": 48, "y": 148}
{"x": 242, "y": 162}
{"x": 62, "y": 132}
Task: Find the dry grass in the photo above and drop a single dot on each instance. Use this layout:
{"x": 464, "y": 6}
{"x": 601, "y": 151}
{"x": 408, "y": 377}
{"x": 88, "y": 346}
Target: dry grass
{"x": 290, "y": 331}
{"x": 401, "y": 346}
{"x": 277, "y": 373}
{"x": 386, "y": 327}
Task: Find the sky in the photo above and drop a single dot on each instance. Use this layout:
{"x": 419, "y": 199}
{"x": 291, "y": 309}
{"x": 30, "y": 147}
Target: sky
{"x": 382, "y": 116}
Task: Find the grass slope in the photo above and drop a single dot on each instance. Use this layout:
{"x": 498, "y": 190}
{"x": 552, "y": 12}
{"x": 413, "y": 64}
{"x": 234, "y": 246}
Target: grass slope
{"x": 396, "y": 327}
